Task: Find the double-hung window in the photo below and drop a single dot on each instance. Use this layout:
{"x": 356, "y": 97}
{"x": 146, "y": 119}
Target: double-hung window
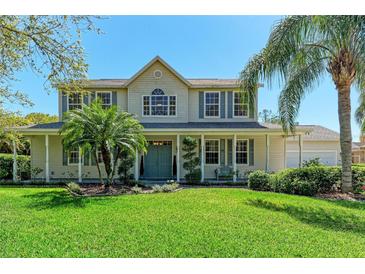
{"x": 159, "y": 104}
{"x": 240, "y": 106}
{"x": 211, "y": 104}
{"x": 105, "y": 99}
{"x": 212, "y": 152}
{"x": 242, "y": 152}
{"x": 74, "y": 101}
{"x": 73, "y": 156}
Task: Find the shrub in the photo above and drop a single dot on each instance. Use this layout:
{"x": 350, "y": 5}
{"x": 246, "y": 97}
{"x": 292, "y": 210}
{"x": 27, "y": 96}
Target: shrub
{"x": 73, "y": 187}
{"x": 165, "y": 187}
{"x": 126, "y": 162}
{"x": 312, "y": 162}
{"x": 136, "y": 190}
{"x": 157, "y": 188}
{"x": 6, "y": 164}
{"x": 322, "y": 177}
{"x": 259, "y": 180}
{"x": 192, "y": 161}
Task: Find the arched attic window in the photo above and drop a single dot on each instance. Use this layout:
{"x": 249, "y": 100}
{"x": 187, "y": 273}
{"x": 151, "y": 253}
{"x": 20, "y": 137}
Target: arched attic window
{"x": 158, "y": 91}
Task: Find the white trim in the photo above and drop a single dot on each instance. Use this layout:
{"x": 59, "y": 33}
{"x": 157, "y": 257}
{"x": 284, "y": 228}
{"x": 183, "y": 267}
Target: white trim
{"x": 47, "y": 158}
{"x": 68, "y": 157}
{"x": 79, "y": 166}
{"x": 219, "y": 154}
{"x": 177, "y": 158}
{"x": 136, "y": 168}
{"x": 15, "y": 163}
{"x": 168, "y": 106}
{"x": 248, "y": 152}
{"x": 219, "y": 104}
{"x": 234, "y": 160}
{"x": 110, "y": 93}
{"x": 202, "y": 157}
{"x": 68, "y": 102}
{"x": 233, "y": 105}
{"x": 225, "y": 151}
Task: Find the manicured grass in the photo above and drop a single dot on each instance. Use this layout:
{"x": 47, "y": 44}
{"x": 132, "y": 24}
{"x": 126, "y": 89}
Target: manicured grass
{"x": 47, "y": 222}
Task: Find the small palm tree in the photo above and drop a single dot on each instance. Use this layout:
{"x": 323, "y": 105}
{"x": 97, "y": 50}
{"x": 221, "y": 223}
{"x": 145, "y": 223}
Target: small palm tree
{"x": 109, "y": 131}
{"x": 300, "y": 50}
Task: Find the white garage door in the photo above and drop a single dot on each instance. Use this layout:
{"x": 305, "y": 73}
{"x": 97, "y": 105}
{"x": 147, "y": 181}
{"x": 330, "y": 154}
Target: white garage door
{"x": 328, "y": 158}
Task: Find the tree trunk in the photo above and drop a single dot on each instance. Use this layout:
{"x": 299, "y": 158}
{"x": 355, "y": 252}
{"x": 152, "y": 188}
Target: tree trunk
{"x": 98, "y": 167}
{"x": 344, "y": 115}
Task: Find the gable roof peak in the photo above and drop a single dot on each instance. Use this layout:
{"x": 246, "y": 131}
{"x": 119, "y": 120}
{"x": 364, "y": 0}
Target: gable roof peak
{"x": 157, "y": 58}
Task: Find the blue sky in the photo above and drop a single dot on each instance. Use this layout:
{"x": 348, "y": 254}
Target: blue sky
{"x": 201, "y": 46}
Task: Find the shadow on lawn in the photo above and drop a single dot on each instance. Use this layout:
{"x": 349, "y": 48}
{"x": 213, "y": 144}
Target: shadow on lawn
{"x": 51, "y": 199}
{"x": 336, "y": 220}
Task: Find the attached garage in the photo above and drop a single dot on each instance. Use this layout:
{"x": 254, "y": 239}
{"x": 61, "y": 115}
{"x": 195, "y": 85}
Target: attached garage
{"x": 321, "y": 143}
{"x": 328, "y": 158}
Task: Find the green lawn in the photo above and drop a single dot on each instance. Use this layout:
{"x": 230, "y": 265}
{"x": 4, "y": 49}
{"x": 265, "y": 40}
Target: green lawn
{"x": 47, "y": 222}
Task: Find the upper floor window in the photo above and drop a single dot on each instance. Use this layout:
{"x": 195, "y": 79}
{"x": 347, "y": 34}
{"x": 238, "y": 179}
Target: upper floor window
{"x": 74, "y": 101}
{"x": 212, "y": 152}
{"x": 240, "y": 106}
{"x": 159, "y": 104}
{"x": 105, "y": 98}
{"x": 211, "y": 104}
{"x": 242, "y": 152}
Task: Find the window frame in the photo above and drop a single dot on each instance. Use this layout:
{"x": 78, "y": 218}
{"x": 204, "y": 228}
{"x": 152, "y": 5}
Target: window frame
{"x": 219, "y": 104}
{"x": 205, "y": 152}
{"x": 248, "y": 152}
{"x": 108, "y": 92}
{"x": 150, "y": 106}
{"x": 81, "y": 100}
{"x": 77, "y": 150}
{"x": 234, "y": 104}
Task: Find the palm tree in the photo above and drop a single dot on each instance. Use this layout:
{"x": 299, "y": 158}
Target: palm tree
{"x": 300, "y": 50}
{"x": 109, "y": 131}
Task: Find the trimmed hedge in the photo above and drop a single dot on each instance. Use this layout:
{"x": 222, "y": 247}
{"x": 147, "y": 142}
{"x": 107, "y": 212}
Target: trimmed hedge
{"x": 306, "y": 181}
{"x": 6, "y": 167}
{"x": 259, "y": 180}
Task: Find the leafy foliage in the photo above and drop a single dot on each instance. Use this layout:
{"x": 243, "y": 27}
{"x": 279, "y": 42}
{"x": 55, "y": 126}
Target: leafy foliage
{"x": 74, "y": 187}
{"x": 94, "y": 128}
{"x": 267, "y": 116}
{"x": 298, "y": 53}
{"x": 50, "y": 46}
{"x": 6, "y": 164}
{"x": 191, "y": 163}
{"x": 259, "y": 180}
{"x": 312, "y": 162}
{"x": 126, "y": 162}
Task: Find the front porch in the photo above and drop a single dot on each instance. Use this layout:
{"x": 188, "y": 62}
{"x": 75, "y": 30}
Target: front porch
{"x": 240, "y": 150}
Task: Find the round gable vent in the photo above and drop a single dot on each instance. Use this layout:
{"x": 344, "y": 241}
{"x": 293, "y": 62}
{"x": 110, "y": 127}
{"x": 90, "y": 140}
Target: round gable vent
{"x": 157, "y": 74}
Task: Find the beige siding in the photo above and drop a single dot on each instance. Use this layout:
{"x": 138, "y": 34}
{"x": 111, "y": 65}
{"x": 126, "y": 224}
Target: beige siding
{"x": 276, "y": 153}
{"x": 169, "y": 83}
{"x": 194, "y": 108}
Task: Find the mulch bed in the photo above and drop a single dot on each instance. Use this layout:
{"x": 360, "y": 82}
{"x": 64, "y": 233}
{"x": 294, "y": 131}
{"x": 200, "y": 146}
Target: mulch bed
{"x": 99, "y": 190}
{"x": 342, "y": 196}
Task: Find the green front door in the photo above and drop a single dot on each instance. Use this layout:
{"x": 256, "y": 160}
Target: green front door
{"x": 158, "y": 160}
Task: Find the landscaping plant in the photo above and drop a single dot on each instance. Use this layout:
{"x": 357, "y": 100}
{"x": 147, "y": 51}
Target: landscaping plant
{"x": 126, "y": 162}
{"x": 94, "y": 128}
{"x": 191, "y": 164}
{"x": 300, "y": 51}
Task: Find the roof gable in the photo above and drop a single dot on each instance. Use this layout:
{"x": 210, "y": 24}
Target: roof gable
{"x": 149, "y": 64}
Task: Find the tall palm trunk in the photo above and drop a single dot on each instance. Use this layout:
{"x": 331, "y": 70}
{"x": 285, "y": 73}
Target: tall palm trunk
{"x": 344, "y": 116}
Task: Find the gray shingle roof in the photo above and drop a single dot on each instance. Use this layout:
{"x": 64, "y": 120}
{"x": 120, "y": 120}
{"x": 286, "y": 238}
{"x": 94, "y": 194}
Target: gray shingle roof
{"x": 320, "y": 133}
{"x": 120, "y": 83}
{"x": 192, "y": 125}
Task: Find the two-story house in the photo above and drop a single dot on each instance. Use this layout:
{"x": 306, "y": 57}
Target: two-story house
{"x": 170, "y": 107}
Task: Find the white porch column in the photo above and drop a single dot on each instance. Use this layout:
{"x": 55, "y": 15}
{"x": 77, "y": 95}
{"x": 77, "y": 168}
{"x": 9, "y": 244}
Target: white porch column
{"x": 80, "y": 166}
{"x": 300, "y": 150}
{"x": 136, "y": 173}
{"x": 47, "y": 158}
{"x": 234, "y": 162}
{"x": 284, "y": 151}
{"x": 202, "y": 162}
{"x": 178, "y": 158}
{"x": 15, "y": 163}
{"x": 267, "y": 155}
